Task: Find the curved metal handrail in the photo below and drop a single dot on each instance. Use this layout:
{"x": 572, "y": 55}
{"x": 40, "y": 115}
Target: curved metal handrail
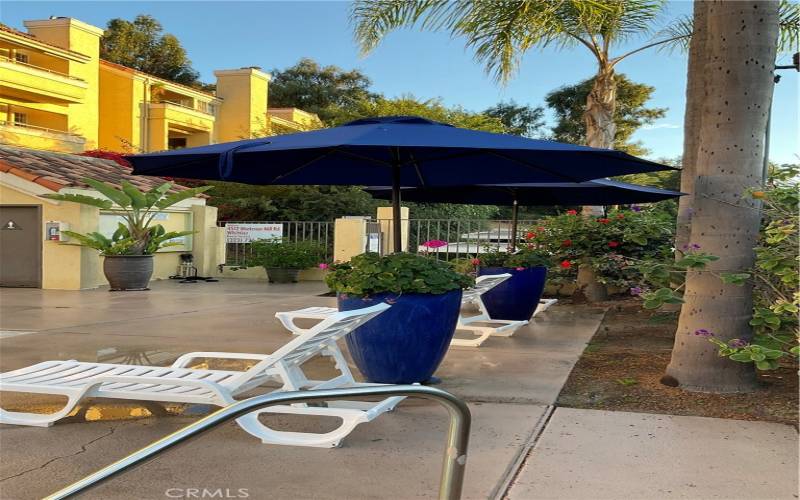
{"x": 455, "y": 454}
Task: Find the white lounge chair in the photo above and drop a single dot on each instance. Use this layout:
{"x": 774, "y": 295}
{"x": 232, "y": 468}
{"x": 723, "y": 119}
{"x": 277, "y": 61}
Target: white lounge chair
{"x": 506, "y": 328}
{"x": 181, "y": 384}
{"x": 471, "y": 296}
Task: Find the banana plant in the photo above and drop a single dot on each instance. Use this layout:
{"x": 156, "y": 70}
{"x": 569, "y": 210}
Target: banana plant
{"x": 138, "y": 235}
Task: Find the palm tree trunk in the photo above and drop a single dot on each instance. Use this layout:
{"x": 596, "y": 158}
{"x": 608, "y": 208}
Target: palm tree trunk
{"x": 600, "y": 132}
{"x": 600, "y": 104}
{"x": 695, "y": 89}
{"x": 739, "y": 63}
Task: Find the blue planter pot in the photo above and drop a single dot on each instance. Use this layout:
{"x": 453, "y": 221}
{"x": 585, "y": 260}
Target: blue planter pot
{"x": 405, "y": 343}
{"x": 517, "y": 297}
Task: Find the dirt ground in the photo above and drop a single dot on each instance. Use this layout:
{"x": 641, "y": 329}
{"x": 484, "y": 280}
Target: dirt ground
{"x": 621, "y": 367}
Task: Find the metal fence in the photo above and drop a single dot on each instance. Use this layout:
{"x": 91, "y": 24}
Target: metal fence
{"x": 463, "y": 238}
{"x": 238, "y": 253}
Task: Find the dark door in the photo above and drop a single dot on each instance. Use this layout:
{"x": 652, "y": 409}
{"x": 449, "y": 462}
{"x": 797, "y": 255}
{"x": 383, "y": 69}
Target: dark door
{"x": 21, "y": 245}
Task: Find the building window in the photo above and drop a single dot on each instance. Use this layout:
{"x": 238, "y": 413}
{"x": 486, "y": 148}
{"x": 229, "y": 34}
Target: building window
{"x": 21, "y": 58}
{"x": 176, "y": 142}
{"x": 20, "y": 119}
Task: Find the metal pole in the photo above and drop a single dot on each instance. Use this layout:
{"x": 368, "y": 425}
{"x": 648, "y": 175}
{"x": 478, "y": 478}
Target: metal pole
{"x": 455, "y": 454}
{"x": 514, "y": 215}
{"x": 396, "y": 222}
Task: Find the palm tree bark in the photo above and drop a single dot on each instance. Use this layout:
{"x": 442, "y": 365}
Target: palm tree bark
{"x": 600, "y": 132}
{"x": 695, "y": 94}
{"x": 739, "y": 61}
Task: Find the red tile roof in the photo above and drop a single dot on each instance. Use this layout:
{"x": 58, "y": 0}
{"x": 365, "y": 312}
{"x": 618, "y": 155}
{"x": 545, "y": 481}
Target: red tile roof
{"x": 9, "y": 29}
{"x": 56, "y": 171}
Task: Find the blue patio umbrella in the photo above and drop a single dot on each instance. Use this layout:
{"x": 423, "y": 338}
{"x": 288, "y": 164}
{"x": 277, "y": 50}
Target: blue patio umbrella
{"x": 397, "y": 151}
{"x": 596, "y": 192}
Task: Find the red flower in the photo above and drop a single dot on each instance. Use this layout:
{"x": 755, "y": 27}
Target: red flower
{"x": 620, "y": 216}
{"x": 566, "y": 243}
{"x": 572, "y": 212}
{"x": 603, "y": 221}
{"x": 476, "y": 262}
{"x": 613, "y": 244}
{"x": 540, "y": 228}
{"x": 566, "y": 264}
{"x": 530, "y": 236}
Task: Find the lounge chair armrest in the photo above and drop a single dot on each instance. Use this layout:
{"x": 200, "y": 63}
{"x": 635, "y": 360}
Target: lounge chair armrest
{"x": 184, "y": 360}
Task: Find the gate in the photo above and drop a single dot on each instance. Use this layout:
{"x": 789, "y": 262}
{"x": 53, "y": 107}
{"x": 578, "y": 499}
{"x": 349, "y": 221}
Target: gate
{"x": 238, "y": 249}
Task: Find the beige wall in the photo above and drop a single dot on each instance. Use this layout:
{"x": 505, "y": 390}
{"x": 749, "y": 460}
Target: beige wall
{"x": 67, "y": 266}
{"x": 243, "y": 114}
{"x": 384, "y": 216}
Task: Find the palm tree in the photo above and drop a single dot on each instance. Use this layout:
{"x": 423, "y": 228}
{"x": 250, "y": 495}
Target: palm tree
{"x": 501, "y": 31}
{"x": 734, "y": 73}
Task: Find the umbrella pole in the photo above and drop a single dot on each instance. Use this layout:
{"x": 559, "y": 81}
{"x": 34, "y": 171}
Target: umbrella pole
{"x": 514, "y": 214}
{"x": 396, "y": 222}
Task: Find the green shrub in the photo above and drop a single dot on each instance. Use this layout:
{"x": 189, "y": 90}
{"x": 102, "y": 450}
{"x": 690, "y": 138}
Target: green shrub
{"x": 369, "y": 273}
{"x": 286, "y": 255}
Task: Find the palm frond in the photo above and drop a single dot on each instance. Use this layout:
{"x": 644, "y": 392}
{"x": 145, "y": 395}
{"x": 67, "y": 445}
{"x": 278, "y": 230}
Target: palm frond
{"x": 374, "y": 19}
{"x": 679, "y": 31}
{"x": 789, "y": 24}
{"x": 501, "y": 31}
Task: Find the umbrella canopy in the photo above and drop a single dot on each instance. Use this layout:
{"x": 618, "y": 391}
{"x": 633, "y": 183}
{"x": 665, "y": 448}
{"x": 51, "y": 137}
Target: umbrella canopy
{"x": 398, "y": 151}
{"x": 596, "y": 192}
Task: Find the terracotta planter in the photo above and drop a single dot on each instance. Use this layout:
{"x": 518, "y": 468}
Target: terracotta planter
{"x": 128, "y": 272}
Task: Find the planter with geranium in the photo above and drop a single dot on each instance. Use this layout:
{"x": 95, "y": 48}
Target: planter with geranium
{"x": 406, "y": 343}
{"x": 593, "y": 250}
{"x": 128, "y": 253}
{"x": 283, "y": 260}
{"x": 517, "y": 297}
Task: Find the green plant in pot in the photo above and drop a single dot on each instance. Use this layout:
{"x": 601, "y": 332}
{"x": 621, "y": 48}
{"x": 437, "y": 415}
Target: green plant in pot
{"x": 284, "y": 260}
{"x": 128, "y": 253}
{"x": 517, "y": 297}
{"x": 406, "y": 343}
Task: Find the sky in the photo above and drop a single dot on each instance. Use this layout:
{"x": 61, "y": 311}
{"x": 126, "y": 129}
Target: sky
{"x": 276, "y": 34}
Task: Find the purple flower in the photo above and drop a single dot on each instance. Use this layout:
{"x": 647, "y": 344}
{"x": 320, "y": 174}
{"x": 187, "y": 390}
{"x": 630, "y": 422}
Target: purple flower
{"x": 636, "y": 208}
{"x": 703, "y": 333}
{"x": 737, "y": 343}
{"x": 691, "y": 246}
{"x": 636, "y": 290}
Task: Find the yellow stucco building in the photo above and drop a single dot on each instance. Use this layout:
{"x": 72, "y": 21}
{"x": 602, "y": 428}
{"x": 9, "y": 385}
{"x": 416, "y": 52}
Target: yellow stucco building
{"x": 57, "y": 94}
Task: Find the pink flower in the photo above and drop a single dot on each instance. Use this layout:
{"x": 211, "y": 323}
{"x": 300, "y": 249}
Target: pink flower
{"x": 613, "y": 244}
{"x": 572, "y": 212}
{"x": 434, "y": 244}
{"x": 476, "y": 262}
{"x": 323, "y": 266}
{"x": 520, "y": 269}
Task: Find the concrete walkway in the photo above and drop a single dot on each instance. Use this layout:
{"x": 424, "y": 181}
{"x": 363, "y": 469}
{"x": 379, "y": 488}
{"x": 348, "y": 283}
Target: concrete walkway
{"x": 509, "y": 383}
{"x": 521, "y": 446}
{"x": 614, "y": 455}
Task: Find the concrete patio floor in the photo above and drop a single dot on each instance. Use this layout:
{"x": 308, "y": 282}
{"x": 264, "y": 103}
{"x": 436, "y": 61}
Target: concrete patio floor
{"x": 510, "y": 384}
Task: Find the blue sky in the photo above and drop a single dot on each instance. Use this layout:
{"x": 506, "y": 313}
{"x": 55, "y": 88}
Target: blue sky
{"x": 222, "y": 35}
